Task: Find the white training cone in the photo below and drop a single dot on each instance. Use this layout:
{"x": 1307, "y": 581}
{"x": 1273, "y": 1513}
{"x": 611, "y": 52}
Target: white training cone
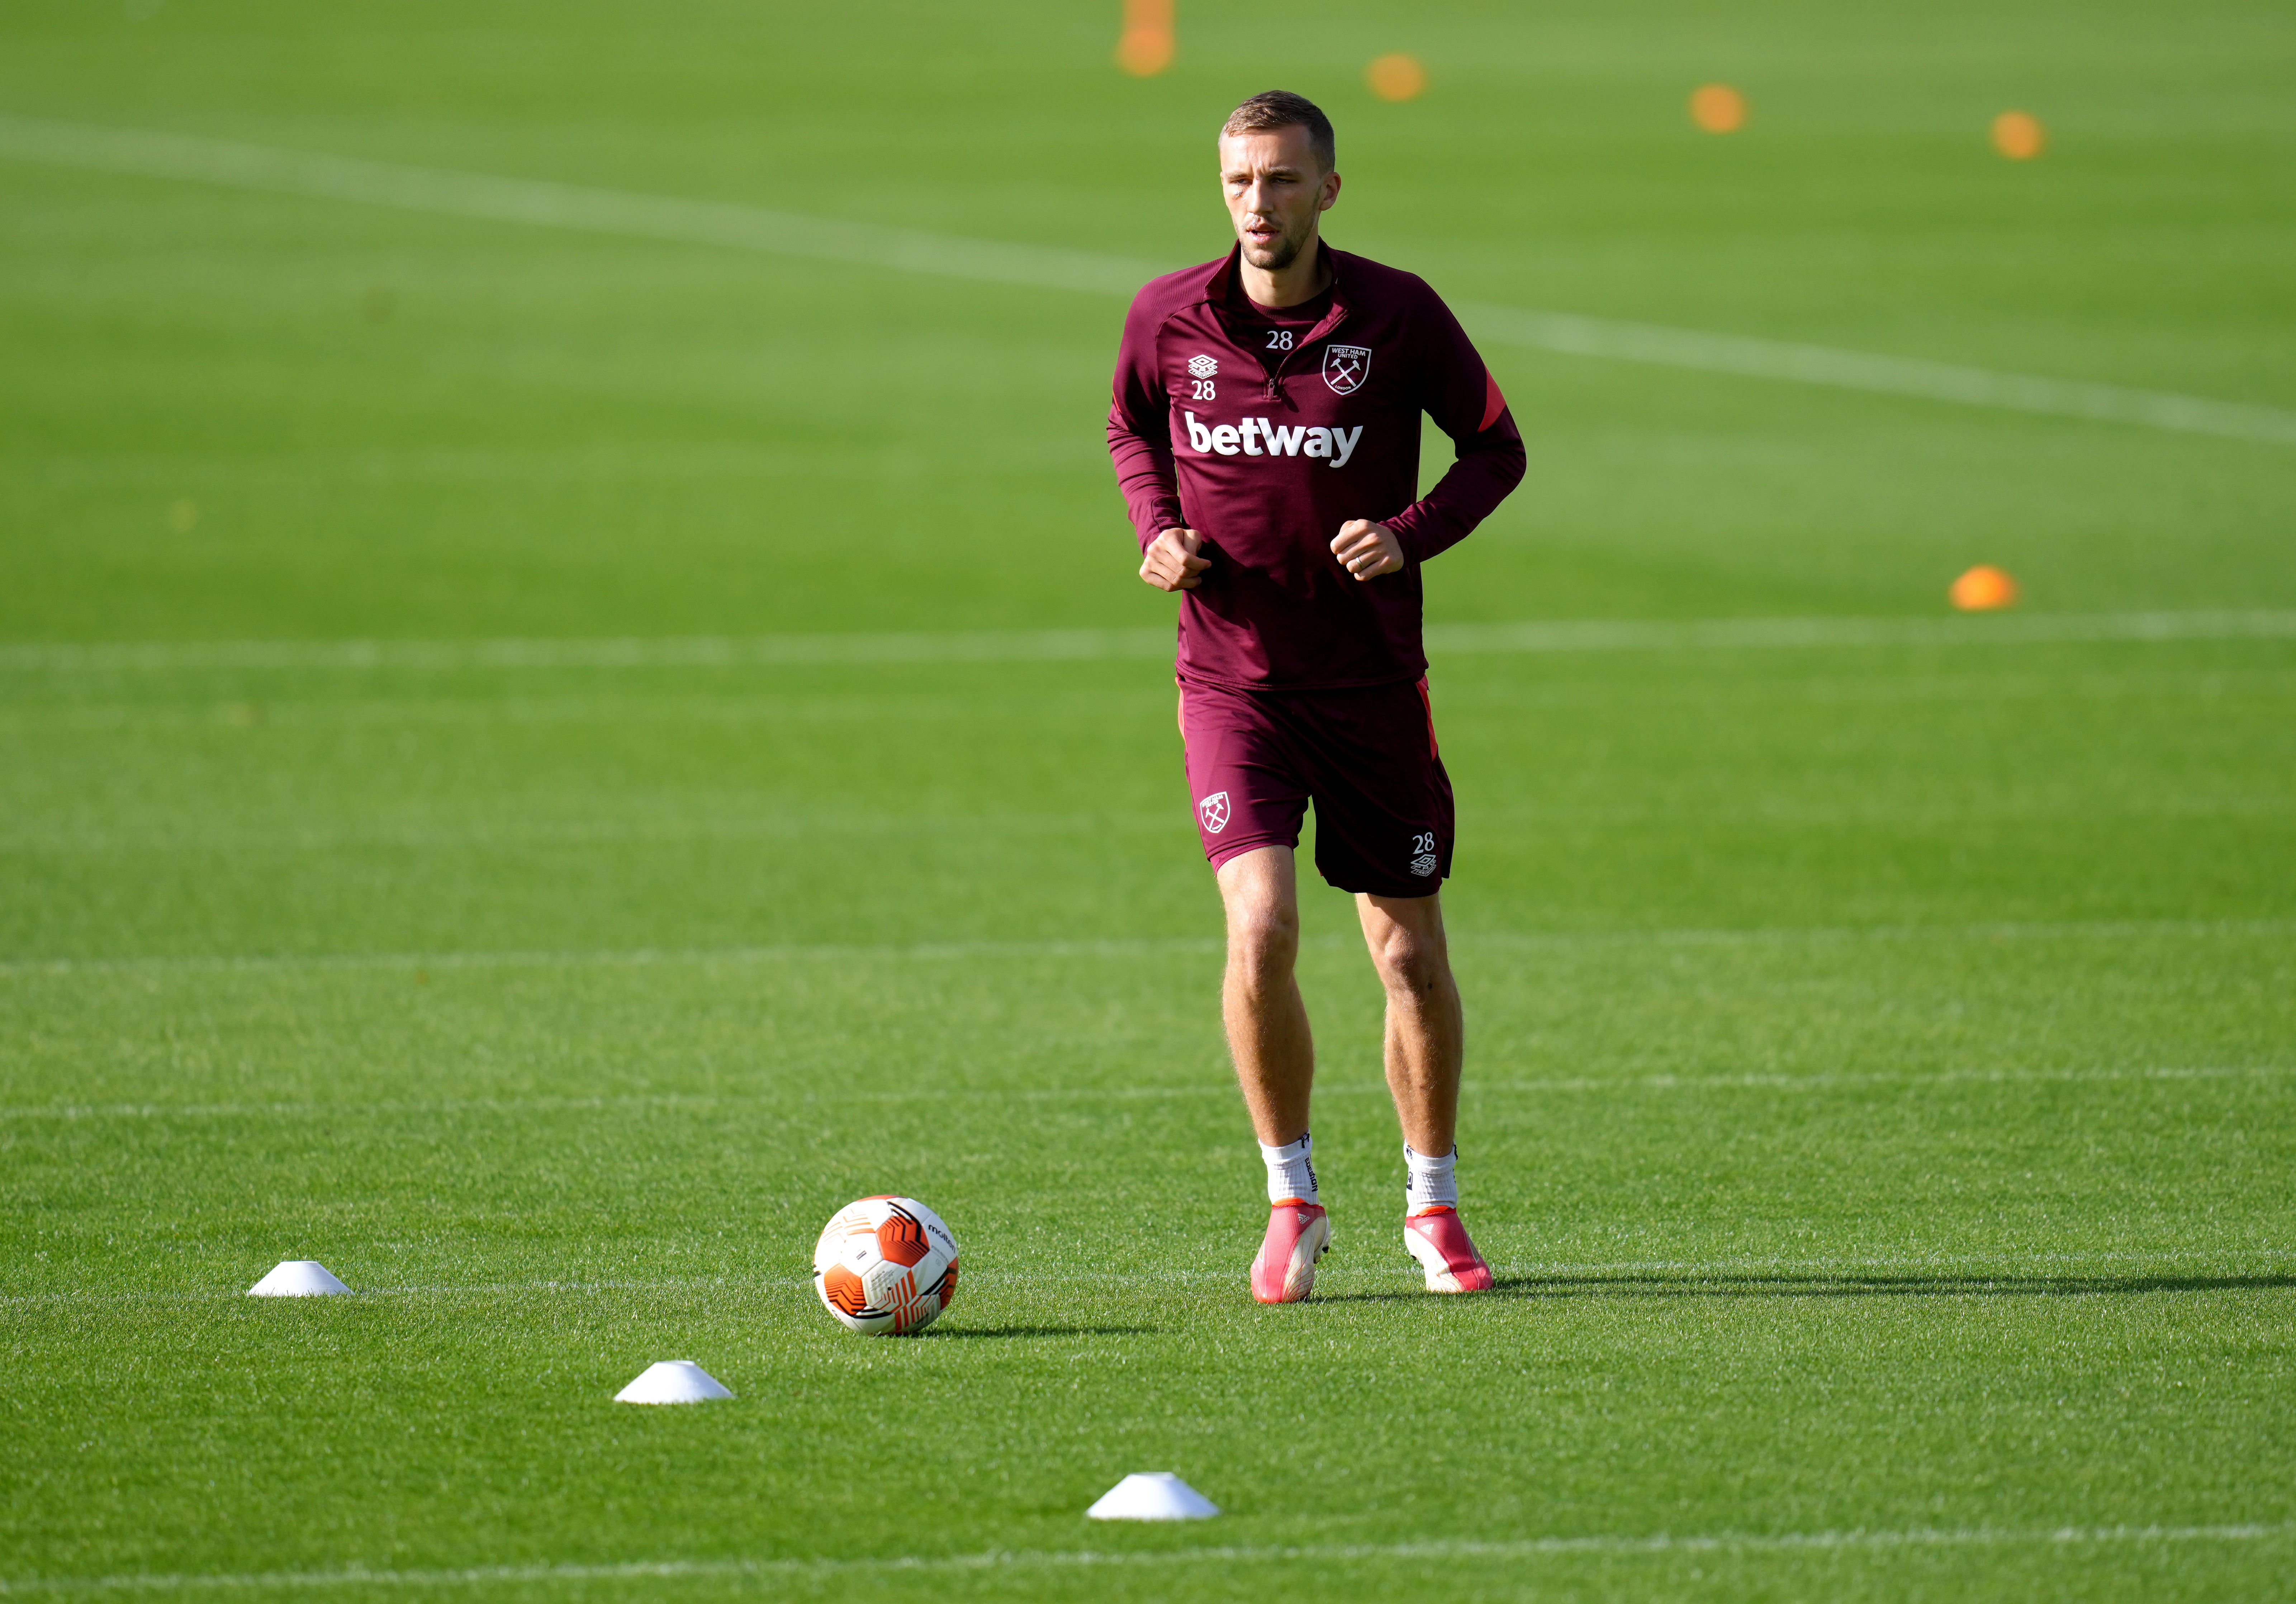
{"x": 673, "y": 1381}
{"x": 1152, "y": 1495}
{"x": 297, "y": 1277}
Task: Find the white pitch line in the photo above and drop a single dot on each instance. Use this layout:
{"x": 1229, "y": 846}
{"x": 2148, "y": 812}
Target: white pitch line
{"x": 1537, "y": 637}
{"x": 1658, "y": 1545}
{"x": 666, "y": 1102}
{"x": 690, "y": 652}
{"x": 1711, "y": 634}
{"x": 836, "y": 951}
{"x": 1748, "y": 357}
{"x": 1469, "y": 939}
{"x": 1990, "y": 1270}
{"x": 276, "y": 170}
{"x": 1826, "y": 1080}
{"x": 556, "y": 1284}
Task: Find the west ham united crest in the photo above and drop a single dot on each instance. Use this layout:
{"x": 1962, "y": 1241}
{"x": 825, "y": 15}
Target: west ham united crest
{"x": 1213, "y": 811}
{"x": 1345, "y": 367}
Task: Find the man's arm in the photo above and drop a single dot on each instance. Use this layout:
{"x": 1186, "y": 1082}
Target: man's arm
{"x": 1464, "y": 401}
{"x": 1140, "y": 433}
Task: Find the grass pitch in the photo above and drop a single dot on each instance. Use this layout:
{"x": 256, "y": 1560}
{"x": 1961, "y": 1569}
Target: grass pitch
{"x": 1883, "y": 1074}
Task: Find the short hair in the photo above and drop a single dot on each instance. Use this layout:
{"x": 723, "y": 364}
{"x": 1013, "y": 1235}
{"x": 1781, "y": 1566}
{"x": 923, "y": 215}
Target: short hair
{"x": 1281, "y": 109}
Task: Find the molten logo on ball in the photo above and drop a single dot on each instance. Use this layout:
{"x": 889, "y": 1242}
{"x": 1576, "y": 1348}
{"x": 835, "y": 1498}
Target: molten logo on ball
{"x": 885, "y": 1264}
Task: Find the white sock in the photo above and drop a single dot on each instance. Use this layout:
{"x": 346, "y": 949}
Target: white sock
{"x": 1290, "y": 1174}
{"x": 1431, "y": 1181}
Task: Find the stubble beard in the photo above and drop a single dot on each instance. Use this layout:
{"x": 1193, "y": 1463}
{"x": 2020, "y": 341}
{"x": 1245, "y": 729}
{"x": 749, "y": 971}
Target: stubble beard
{"x": 1285, "y": 252}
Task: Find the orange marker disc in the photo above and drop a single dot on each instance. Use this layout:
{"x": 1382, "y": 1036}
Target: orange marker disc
{"x": 1396, "y": 78}
{"x": 1145, "y": 51}
{"x": 1718, "y": 108}
{"x": 1148, "y": 43}
{"x": 2019, "y": 136}
{"x": 1984, "y": 589}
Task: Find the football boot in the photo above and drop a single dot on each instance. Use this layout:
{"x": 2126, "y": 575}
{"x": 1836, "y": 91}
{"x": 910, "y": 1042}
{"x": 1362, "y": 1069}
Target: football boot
{"x": 1440, "y": 1244}
{"x": 1298, "y": 1234}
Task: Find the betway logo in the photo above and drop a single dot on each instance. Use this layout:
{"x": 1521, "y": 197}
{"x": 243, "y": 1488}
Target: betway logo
{"x": 1258, "y": 438}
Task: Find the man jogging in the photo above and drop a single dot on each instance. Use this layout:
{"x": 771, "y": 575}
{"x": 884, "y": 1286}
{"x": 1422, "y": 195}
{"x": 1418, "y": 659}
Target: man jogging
{"x": 1266, "y": 432}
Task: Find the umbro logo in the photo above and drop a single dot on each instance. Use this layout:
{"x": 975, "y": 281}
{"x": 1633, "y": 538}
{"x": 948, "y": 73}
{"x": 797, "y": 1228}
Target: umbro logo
{"x": 1202, "y": 367}
{"x": 1213, "y": 811}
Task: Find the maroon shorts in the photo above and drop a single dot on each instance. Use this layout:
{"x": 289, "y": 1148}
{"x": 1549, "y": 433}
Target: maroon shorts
{"x": 1365, "y": 758}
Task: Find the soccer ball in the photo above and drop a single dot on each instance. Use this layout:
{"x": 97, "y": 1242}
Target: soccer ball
{"x": 885, "y": 1264}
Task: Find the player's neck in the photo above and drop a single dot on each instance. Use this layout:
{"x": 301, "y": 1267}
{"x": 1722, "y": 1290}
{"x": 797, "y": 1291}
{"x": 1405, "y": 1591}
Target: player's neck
{"x": 1306, "y": 276}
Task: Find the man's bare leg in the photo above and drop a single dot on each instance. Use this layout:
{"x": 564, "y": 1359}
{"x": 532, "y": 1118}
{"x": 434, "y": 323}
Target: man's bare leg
{"x": 1274, "y": 1062}
{"x": 1260, "y": 999}
{"x": 1426, "y": 1031}
{"x": 1426, "y": 1043}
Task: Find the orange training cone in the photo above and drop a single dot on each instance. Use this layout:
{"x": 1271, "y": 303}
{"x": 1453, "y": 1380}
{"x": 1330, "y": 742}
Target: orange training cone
{"x": 1984, "y": 589}
{"x": 1718, "y": 108}
{"x": 1396, "y": 78}
{"x": 1148, "y": 43}
{"x": 2019, "y": 136}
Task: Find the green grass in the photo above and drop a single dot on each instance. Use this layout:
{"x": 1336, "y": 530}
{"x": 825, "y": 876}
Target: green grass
{"x": 1882, "y": 1077}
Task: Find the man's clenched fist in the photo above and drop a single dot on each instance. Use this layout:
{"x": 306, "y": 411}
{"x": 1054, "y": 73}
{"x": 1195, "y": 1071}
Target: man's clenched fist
{"x": 1172, "y": 563}
{"x": 1367, "y": 549}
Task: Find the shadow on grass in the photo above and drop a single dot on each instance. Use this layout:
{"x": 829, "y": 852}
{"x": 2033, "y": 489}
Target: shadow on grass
{"x": 1785, "y": 1285}
{"x": 941, "y": 1333}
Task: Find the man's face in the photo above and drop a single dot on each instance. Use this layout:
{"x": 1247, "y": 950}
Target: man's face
{"x": 1275, "y": 190}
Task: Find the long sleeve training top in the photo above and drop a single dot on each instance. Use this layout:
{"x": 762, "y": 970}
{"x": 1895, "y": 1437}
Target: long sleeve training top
{"x": 1266, "y": 435}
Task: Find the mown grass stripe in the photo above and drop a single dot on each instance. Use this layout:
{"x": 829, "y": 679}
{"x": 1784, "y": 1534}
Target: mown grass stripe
{"x": 1534, "y": 637}
{"x": 2241, "y": 1268}
{"x": 1219, "y": 1086}
{"x": 1463, "y": 941}
{"x": 1656, "y": 1544}
{"x": 736, "y": 225}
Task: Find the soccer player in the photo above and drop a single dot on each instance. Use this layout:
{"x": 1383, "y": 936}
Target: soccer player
{"x": 1266, "y": 432}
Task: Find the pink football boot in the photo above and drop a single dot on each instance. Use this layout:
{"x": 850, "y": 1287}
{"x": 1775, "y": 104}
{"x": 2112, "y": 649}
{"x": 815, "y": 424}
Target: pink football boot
{"x": 1298, "y": 1233}
{"x": 1440, "y": 1244}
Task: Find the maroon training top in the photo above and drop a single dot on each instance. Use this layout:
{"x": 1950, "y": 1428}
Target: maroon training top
{"x": 1265, "y": 433}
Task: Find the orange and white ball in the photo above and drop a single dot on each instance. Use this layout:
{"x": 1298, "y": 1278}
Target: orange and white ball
{"x": 885, "y": 1264}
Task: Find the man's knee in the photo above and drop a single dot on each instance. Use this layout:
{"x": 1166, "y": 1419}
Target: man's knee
{"x": 1263, "y": 909}
{"x": 1412, "y": 963}
{"x": 1263, "y": 931}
